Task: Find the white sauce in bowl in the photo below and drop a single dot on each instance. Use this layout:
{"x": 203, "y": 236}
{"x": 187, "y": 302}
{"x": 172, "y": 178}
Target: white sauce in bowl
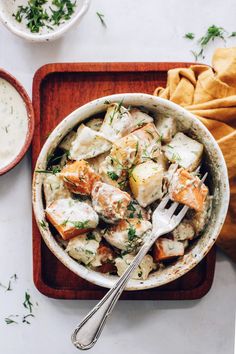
{"x": 10, "y": 8}
{"x": 13, "y": 123}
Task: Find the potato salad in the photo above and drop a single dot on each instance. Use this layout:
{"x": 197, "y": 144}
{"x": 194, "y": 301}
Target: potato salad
{"x": 106, "y": 177}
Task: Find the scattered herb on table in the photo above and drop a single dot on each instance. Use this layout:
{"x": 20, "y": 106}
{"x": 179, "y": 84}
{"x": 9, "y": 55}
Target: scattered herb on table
{"x": 25, "y": 318}
{"x": 27, "y": 303}
{"x": 101, "y": 18}
{"x": 213, "y": 32}
{"x": 189, "y": 35}
{"x": 9, "y": 320}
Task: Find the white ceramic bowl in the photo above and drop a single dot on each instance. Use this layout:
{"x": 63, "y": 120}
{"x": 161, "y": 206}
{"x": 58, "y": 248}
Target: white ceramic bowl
{"x": 215, "y": 165}
{"x": 7, "y": 7}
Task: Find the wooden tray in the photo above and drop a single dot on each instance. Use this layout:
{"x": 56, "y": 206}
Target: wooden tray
{"x": 58, "y": 89}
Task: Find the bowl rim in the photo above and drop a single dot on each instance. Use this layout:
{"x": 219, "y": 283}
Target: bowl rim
{"x": 70, "y": 263}
{"x": 58, "y": 32}
{"x": 30, "y": 113}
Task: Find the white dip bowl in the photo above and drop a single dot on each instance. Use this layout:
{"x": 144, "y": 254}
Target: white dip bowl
{"x": 9, "y": 7}
{"x": 215, "y": 165}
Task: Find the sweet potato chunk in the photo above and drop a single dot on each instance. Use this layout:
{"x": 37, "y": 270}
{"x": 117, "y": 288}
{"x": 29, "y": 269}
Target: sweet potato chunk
{"x": 186, "y": 189}
{"x": 165, "y": 249}
{"x": 79, "y": 177}
{"x": 71, "y": 217}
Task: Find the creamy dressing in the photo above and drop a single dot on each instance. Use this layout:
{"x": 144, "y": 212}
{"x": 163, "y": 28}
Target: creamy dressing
{"x": 10, "y": 7}
{"x": 13, "y": 123}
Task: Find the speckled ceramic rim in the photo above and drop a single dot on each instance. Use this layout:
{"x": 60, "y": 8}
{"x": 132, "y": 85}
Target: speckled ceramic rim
{"x": 20, "y": 89}
{"x": 34, "y": 37}
{"x": 216, "y": 166}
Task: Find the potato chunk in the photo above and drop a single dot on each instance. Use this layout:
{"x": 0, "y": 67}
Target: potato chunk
{"x": 95, "y": 123}
{"x": 128, "y": 234}
{"x": 186, "y": 189}
{"x": 109, "y": 202}
{"x": 79, "y": 177}
{"x": 71, "y": 217}
{"x": 112, "y": 173}
{"x": 139, "y": 118}
{"x": 87, "y": 144}
{"x": 167, "y": 128}
{"x": 65, "y": 144}
{"x": 185, "y": 151}
{"x": 165, "y": 249}
{"x": 143, "y": 270}
{"x": 146, "y": 182}
{"x": 184, "y": 231}
{"x": 54, "y": 188}
{"x": 117, "y": 122}
{"x": 84, "y": 247}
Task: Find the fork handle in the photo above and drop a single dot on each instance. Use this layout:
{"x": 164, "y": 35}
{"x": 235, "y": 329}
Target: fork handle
{"x": 89, "y": 330}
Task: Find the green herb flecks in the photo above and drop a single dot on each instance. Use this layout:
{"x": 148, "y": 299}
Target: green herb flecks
{"x": 25, "y": 319}
{"x": 37, "y": 16}
{"x": 213, "y": 32}
{"x": 43, "y": 224}
{"x": 189, "y": 35}
{"x": 114, "y": 176}
{"x": 9, "y": 320}
{"x": 131, "y": 206}
{"x": 116, "y": 110}
{"x": 53, "y": 170}
{"x": 101, "y": 18}
{"x": 27, "y": 303}
{"x": 131, "y": 233}
{"x": 64, "y": 11}
{"x": 34, "y": 13}
{"x": 80, "y": 224}
{"x": 233, "y": 34}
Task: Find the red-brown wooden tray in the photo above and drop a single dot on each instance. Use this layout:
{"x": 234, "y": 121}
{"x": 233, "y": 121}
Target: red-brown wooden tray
{"x": 58, "y": 89}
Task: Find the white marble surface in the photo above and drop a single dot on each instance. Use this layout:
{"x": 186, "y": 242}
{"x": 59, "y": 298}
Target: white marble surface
{"x": 137, "y": 30}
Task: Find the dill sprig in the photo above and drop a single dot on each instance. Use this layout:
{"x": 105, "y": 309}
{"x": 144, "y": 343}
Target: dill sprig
{"x": 27, "y": 303}
{"x": 189, "y": 35}
{"x": 101, "y": 18}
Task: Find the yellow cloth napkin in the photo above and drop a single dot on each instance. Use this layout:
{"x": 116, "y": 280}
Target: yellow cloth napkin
{"x": 210, "y": 94}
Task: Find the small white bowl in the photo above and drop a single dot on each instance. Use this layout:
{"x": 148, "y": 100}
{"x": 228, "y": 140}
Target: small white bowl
{"x": 8, "y": 7}
{"x": 215, "y": 165}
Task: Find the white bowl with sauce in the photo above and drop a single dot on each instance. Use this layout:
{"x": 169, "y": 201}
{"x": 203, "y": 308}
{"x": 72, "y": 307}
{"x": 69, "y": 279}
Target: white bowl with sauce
{"x": 48, "y": 32}
{"x": 16, "y": 122}
{"x": 216, "y": 167}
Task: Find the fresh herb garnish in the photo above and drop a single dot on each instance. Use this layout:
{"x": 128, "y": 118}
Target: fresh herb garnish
{"x": 233, "y": 34}
{"x": 25, "y": 318}
{"x": 34, "y": 13}
{"x": 213, "y": 32}
{"x": 131, "y": 206}
{"x": 113, "y": 175}
{"x": 131, "y": 233}
{"x": 64, "y": 11}
{"x": 53, "y": 170}
{"x": 189, "y": 35}
{"x": 43, "y": 224}
{"x": 37, "y": 16}
{"x": 9, "y": 320}
{"x": 80, "y": 224}
{"x": 116, "y": 110}
{"x": 101, "y": 18}
{"x": 27, "y": 303}
{"x": 91, "y": 236}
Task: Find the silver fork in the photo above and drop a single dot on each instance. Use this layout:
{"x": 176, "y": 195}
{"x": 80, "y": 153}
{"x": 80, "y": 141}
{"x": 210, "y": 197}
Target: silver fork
{"x": 163, "y": 221}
